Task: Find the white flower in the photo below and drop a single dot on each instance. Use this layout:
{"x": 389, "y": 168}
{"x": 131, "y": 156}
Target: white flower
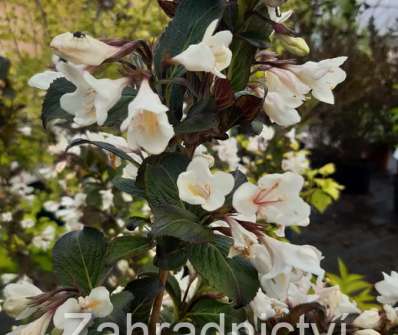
{"x": 6, "y": 217}
{"x": 283, "y": 257}
{"x": 322, "y": 77}
{"x": 227, "y": 151}
{"x": 43, "y": 80}
{"x": 243, "y": 239}
{"x": 93, "y": 98}
{"x": 147, "y": 123}
{"x": 368, "y": 319}
{"x": 44, "y": 240}
{"x": 17, "y": 298}
{"x": 286, "y": 83}
{"x": 37, "y": 327}
{"x": 282, "y": 109}
{"x": 388, "y": 289}
{"x": 296, "y": 162}
{"x": 80, "y": 48}
{"x": 335, "y": 301}
{"x": 276, "y": 199}
{"x": 107, "y": 199}
{"x": 260, "y": 142}
{"x": 198, "y": 186}
{"x": 211, "y": 55}
{"x": 27, "y": 223}
{"x": 264, "y": 307}
{"x": 98, "y": 304}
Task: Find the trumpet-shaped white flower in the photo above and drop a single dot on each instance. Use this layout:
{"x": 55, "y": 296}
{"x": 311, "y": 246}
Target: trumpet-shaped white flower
{"x": 283, "y": 257}
{"x": 211, "y": 55}
{"x": 388, "y": 289}
{"x": 17, "y": 298}
{"x": 37, "y": 327}
{"x": 80, "y": 48}
{"x": 282, "y": 109}
{"x": 260, "y": 142}
{"x": 198, "y": 186}
{"x": 296, "y": 162}
{"x": 93, "y": 98}
{"x": 321, "y": 77}
{"x": 276, "y": 199}
{"x": 368, "y": 319}
{"x": 98, "y": 304}
{"x": 147, "y": 123}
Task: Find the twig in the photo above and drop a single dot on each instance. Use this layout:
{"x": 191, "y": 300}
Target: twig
{"x": 157, "y": 304}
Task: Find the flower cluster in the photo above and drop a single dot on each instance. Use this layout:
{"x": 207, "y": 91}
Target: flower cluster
{"x": 192, "y": 89}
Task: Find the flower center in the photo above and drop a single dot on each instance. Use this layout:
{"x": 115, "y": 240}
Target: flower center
{"x": 262, "y": 197}
{"x": 203, "y": 191}
{"x": 148, "y": 122}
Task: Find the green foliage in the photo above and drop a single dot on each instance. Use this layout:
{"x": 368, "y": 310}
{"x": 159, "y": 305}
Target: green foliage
{"x": 233, "y": 276}
{"x": 353, "y": 285}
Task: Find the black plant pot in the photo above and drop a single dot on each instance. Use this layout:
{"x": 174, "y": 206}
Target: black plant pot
{"x": 354, "y": 175}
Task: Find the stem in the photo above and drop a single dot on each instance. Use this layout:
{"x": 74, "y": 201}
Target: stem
{"x": 157, "y": 304}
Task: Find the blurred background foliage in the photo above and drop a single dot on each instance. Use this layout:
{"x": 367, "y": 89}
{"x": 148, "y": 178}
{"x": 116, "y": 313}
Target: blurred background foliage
{"x": 364, "y": 119}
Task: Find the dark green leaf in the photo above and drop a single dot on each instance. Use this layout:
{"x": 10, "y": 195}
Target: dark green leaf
{"x": 121, "y": 307}
{"x": 144, "y": 290}
{"x": 105, "y": 146}
{"x": 188, "y": 26}
{"x": 173, "y": 289}
{"x": 161, "y": 179}
{"x": 51, "y": 109}
{"x": 200, "y": 117}
{"x": 126, "y": 246}
{"x": 79, "y": 258}
{"x": 180, "y": 223}
{"x": 235, "y": 277}
{"x": 128, "y": 186}
{"x": 254, "y": 39}
{"x": 207, "y": 310}
{"x": 171, "y": 253}
{"x": 243, "y": 51}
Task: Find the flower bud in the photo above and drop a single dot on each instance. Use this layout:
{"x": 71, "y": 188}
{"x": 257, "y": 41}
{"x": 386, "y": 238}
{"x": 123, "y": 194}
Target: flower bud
{"x": 17, "y": 299}
{"x": 295, "y": 45}
{"x": 80, "y": 48}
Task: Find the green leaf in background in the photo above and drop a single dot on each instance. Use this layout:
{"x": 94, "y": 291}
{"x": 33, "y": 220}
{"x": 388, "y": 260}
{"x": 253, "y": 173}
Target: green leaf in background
{"x": 118, "y": 113}
{"x": 200, "y": 117}
{"x": 105, "y": 146}
{"x": 126, "y": 246}
{"x": 187, "y": 27}
{"x": 180, "y": 223}
{"x": 121, "y": 307}
{"x": 161, "y": 179}
{"x": 234, "y": 277}
{"x": 51, "y": 109}
{"x": 79, "y": 258}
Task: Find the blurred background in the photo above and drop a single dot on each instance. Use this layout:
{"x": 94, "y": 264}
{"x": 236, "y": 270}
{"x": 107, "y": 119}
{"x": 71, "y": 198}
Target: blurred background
{"x": 352, "y": 180}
